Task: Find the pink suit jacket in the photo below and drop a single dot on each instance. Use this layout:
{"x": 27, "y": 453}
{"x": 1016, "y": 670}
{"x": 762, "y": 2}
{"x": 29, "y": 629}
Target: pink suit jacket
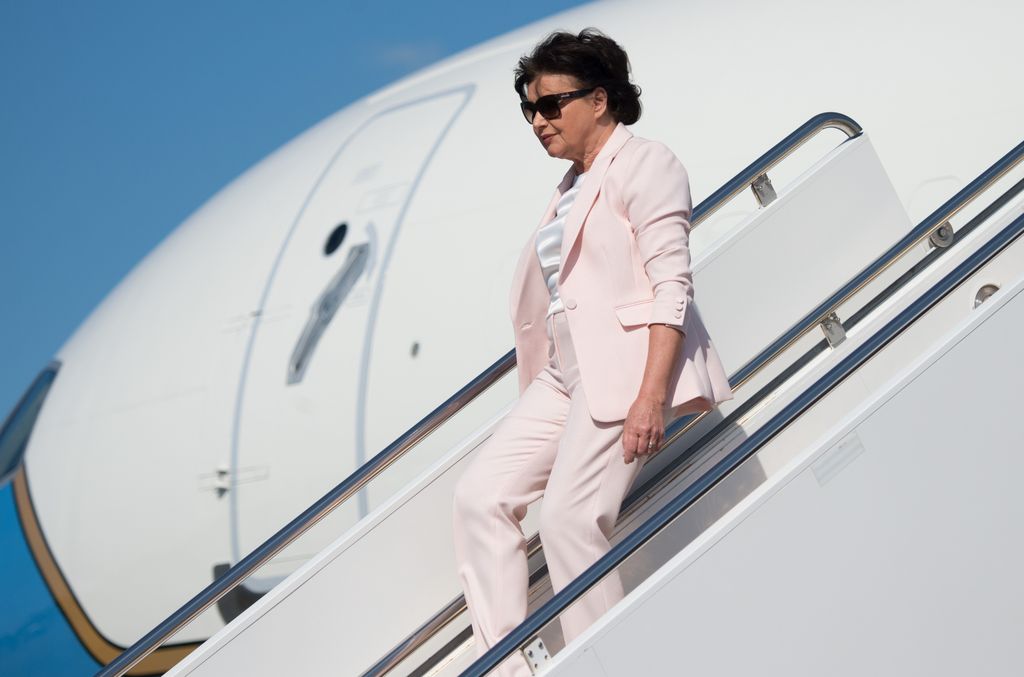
{"x": 625, "y": 263}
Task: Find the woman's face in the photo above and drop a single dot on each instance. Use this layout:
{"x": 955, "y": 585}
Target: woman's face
{"x": 567, "y": 136}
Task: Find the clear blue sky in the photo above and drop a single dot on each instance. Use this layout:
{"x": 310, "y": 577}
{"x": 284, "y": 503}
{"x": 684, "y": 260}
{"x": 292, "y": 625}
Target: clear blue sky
{"x": 120, "y": 118}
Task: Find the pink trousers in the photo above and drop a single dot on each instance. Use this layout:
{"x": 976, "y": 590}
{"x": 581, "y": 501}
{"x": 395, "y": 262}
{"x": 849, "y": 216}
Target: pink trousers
{"x": 547, "y": 445}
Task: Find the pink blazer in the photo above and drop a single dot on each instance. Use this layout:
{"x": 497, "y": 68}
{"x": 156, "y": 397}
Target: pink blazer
{"x": 625, "y": 263}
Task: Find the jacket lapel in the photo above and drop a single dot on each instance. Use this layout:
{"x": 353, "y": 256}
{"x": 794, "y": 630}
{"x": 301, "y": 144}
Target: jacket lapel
{"x": 588, "y": 191}
{"x": 528, "y": 284}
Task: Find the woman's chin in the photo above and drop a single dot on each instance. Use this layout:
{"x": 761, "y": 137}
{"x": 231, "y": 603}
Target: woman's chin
{"x": 554, "y": 149}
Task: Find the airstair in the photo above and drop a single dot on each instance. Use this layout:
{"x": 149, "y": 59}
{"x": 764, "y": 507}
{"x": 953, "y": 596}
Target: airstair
{"x": 818, "y": 523}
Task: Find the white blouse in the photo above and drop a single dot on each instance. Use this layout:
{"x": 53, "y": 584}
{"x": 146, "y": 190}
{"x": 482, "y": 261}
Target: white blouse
{"x": 549, "y": 242}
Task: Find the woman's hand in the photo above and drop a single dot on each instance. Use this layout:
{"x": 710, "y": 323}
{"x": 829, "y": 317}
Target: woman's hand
{"x": 644, "y": 427}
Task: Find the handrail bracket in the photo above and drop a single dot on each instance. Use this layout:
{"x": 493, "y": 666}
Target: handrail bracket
{"x": 942, "y": 236}
{"x": 833, "y": 328}
{"x": 763, "y": 189}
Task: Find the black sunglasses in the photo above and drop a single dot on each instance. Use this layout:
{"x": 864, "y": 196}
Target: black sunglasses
{"x": 550, "y": 105}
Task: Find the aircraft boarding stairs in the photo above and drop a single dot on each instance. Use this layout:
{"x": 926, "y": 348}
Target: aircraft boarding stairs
{"x": 785, "y": 513}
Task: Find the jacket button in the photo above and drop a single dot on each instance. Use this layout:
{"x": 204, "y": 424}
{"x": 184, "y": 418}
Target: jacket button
{"x": 570, "y": 303}
{"x": 526, "y": 325}
{"x": 679, "y": 305}
{"x": 679, "y": 313}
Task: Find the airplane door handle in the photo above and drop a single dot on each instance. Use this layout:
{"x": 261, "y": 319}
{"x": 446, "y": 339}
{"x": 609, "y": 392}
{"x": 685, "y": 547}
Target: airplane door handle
{"x": 324, "y": 308}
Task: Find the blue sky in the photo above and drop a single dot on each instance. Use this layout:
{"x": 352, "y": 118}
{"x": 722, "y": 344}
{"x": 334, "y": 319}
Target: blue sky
{"x": 119, "y": 119}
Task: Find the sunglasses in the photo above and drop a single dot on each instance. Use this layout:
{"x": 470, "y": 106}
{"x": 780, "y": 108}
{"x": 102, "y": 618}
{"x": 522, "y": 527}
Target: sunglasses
{"x": 550, "y": 105}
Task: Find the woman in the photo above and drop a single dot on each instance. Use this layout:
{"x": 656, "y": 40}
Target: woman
{"x": 623, "y": 350}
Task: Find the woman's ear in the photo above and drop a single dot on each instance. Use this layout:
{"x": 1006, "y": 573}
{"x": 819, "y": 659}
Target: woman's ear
{"x": 600, "y": 101}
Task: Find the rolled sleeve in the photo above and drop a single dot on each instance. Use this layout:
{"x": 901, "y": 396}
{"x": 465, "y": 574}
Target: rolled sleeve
{"x": 657, "y": 201}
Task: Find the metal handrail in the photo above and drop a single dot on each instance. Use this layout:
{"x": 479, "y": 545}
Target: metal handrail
{"x": 394, "y": 451}
{"x": 680, "y": 426}
{"x": 772, "y": 157}
{"x": 686, "y": 499}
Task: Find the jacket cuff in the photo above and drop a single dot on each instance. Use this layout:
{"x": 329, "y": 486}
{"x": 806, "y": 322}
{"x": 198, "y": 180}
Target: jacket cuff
{"x": 670, "y": 306}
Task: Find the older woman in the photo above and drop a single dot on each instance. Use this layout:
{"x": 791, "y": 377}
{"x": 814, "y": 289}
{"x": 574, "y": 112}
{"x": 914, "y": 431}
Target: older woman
{"x": 607, "y": 272}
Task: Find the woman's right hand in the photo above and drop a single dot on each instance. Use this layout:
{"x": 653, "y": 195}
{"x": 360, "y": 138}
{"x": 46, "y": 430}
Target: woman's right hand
{"x": 643, "y": 429}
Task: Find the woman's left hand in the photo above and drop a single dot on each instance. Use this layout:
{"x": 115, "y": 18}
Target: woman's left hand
{"x": 644, "y": 428}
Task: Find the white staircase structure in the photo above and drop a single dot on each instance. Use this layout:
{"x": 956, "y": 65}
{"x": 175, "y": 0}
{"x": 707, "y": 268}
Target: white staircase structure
{"x": 852, "y": 511}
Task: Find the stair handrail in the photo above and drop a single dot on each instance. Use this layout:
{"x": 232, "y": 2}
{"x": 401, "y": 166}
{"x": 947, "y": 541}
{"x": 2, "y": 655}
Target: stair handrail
{"x": 397, "y": 449}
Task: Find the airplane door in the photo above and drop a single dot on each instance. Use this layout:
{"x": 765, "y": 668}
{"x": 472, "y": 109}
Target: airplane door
{"x": 297, "y": 414}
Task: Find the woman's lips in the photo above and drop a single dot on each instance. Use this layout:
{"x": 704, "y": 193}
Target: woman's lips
{"x": 546, "y": 139}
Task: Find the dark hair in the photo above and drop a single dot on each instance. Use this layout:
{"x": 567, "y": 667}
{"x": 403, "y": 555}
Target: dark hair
{"x": 593, "y": 59}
